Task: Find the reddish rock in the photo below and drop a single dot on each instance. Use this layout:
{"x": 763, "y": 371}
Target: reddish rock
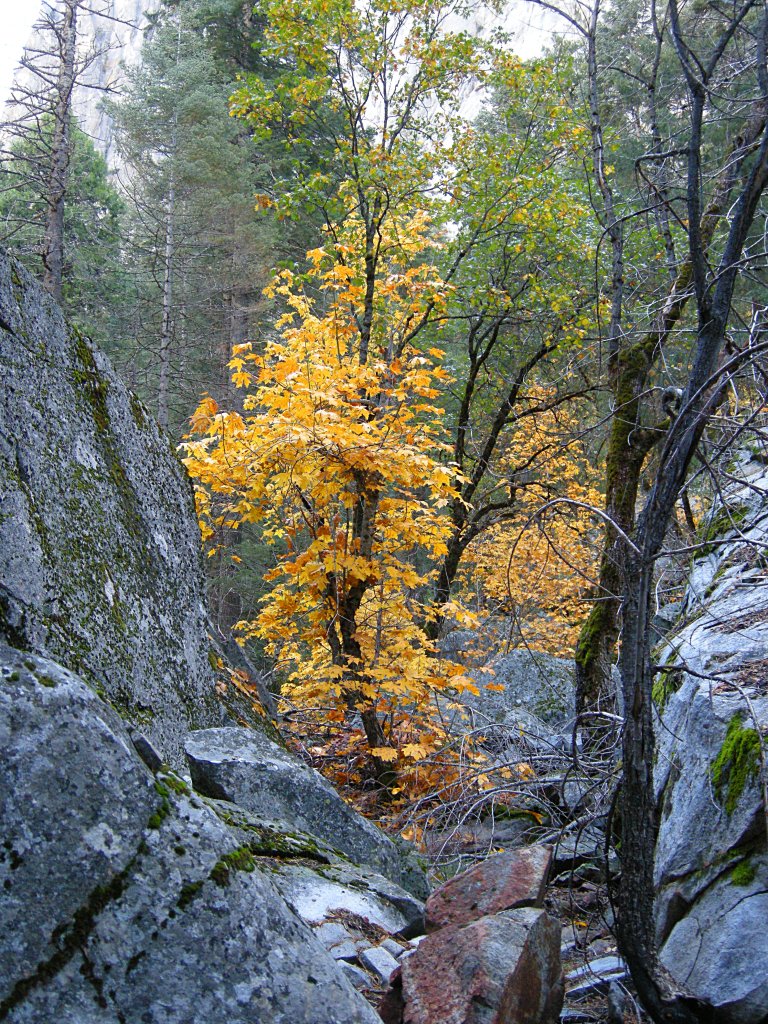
{"x": 503, "y": 969}
{"x": 502, "y": 882}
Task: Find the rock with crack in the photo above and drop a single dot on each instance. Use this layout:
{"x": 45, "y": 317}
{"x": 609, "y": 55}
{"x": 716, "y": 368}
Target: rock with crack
{"x": 125, "y": 896}
{"x": 503, "y": 969}
{"x": 100, "y": 556}
{"x": 248, "y": 769}
{"x": 711, "y": 859}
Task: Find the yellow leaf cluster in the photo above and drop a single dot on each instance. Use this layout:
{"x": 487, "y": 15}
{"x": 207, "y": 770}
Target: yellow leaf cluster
{"x": 538, "y": 564}
{"x": 340, "y": 459}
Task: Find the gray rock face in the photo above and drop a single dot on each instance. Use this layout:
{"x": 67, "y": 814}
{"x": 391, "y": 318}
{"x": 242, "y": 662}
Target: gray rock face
{"x": 711, "y": 864}
{"x": 100, "y": 564}
{"x": 534, "y": 683}
{"x": 720, "y": 947}
{"x": 248, "y": 769}
{"x": 127, "y": 899}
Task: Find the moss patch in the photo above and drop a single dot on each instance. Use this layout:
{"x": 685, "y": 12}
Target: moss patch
{"x": 162, "y": 812}
{"x": 725, "y": 519}
{"x": 668, "y": 682}
{"x": 188, "y": 893}
{"x": 737, "y": 762}
{"x": 240, "y": 859}
{"x": 744, "y": 873}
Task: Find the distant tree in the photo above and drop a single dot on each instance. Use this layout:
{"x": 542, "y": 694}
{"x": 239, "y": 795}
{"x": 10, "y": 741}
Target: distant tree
{"x": 94, "y": 274}
{"x": 37, "y": 142}
{"x": 192, "y": 177}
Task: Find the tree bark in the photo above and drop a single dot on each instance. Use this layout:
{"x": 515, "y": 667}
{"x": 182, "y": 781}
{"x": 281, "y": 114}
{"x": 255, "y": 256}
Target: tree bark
{"x": 166, "y": 329}
{"x": 53, "y": 240}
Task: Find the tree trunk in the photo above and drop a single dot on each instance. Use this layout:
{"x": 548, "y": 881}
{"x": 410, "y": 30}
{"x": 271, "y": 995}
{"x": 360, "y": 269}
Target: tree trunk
{"x": 53, "y": 240}
{"x": 166, "y": 330}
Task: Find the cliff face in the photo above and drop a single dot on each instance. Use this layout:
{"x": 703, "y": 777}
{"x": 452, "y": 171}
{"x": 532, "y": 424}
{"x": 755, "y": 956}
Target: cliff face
{"x": 100, "y": 563}
{"x": 113, "y": 42}
{"x": 107, "y": 43}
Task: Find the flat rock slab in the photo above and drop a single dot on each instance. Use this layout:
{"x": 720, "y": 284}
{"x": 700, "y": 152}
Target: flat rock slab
{"x": 126, "y": 898}
{"x": 502, "y": 882}
{"x": 720, "y": 947}
{"x": 247, "y": 768}
{"x": 503, "y": 969}
{"x": 322, "y": 894}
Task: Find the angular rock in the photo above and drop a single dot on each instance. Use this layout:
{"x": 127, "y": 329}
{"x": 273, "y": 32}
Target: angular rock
{"x": 393, "y": 947}
{"x": 711, "y": 862}
{"x": 503, "y": 969}
{"x": 720, "y": 946}
{"x": 507, "y": 880}
{"x": 603, "y": 965}
{"x": 100, "y": 557}
{"x": 697, "y": 828}
{"x": 247, "y": 768}
{"x": 359, "y": 978}
{"x": 380, "y": 961}
{"x": 534, "y": 682}
{"x": 336, "y": 939}
{"x": 596, "y": 976}
{"x": 126, "y": 898}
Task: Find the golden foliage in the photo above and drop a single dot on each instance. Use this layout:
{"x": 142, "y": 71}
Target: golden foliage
{"x": 341, "y": 462}
{"x": 538, "y": 562}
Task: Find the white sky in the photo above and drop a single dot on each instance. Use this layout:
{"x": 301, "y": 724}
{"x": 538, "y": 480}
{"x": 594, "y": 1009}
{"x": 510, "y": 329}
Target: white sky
{"x": 16, "y": 18}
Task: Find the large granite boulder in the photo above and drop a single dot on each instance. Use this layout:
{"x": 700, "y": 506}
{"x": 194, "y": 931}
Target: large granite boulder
{"x": 127, "y": 899}
{"x": 100, "y": 564}
{"x": 248, "y": 769}
{"x": 711, "y": 862}
{"x": 533, "y": 683}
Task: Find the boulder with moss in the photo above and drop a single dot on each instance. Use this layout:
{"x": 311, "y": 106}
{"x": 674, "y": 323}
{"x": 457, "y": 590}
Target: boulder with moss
{"x": 711, "y": 698}
{"x": 127, "y": 897}
{"x": 100, "y": 564}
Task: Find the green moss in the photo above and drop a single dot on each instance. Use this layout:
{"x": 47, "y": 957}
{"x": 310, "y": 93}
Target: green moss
{"x": 744, "y": 873}
{"x": 138, "y": 412}
{"x": 668, "y": 682}
{"x": 45, "y": 680}
{"x": 240, "y": 859}
{"x": 162, "y": 812}
{"x": 178, "y": 785}
{"x": 725, "y": 519}
{"x": 188, "y": 893}
{"x": 737, "y": 762}
{"x": 268, "y": 842}
{"x": 90, "y": 382}
{"x": 587, "y": 647}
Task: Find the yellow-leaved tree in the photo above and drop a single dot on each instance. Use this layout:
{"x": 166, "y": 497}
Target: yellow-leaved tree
{"x": 340, "y": 458}
{"x": 538, "y": 561}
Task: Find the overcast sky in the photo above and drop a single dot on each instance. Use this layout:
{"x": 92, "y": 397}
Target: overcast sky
{"x": 16, "y": 18}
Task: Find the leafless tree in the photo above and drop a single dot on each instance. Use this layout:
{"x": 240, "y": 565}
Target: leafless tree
{"x": 36, "y": 141}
